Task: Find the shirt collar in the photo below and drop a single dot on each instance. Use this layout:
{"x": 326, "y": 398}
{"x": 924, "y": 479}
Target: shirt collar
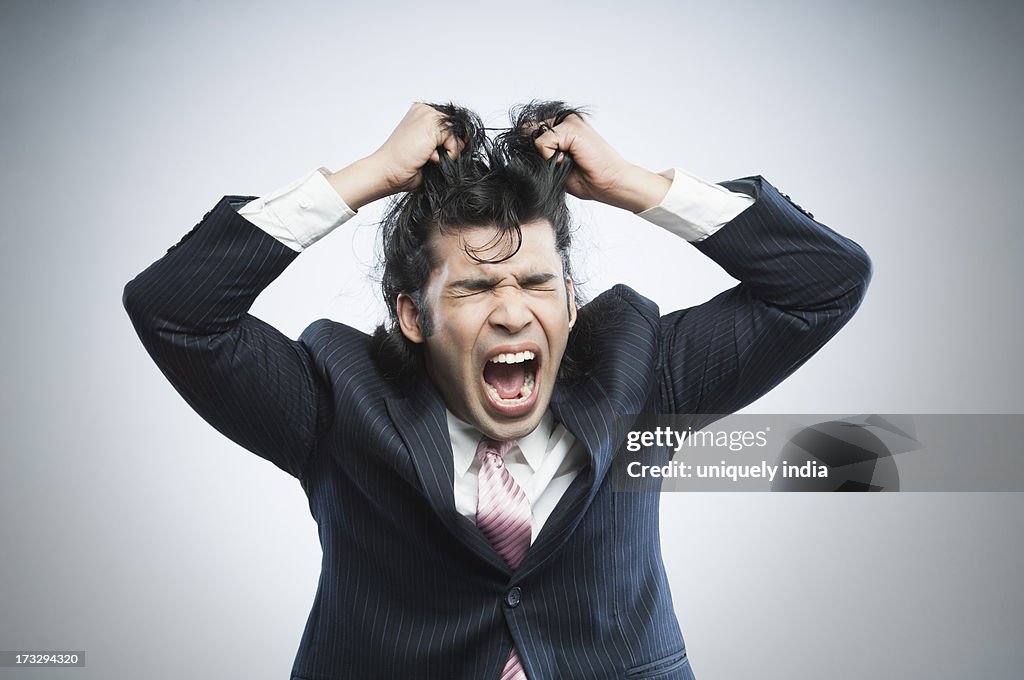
{"x": 465, "y": 437}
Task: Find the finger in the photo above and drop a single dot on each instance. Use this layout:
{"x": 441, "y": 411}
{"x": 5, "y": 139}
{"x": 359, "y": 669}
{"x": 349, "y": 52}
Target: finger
{"x": 546, "y": 140}
{"x": 453, "y": 146}
{"x": 442, "y": 136}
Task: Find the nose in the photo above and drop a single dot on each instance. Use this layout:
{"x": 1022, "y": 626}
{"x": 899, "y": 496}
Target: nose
{"x": 511, "y": 312}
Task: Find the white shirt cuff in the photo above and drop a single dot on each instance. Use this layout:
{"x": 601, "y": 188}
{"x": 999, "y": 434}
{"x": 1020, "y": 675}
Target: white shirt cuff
{"x": 301, "y": 213}
{"x": 694, "y": 208}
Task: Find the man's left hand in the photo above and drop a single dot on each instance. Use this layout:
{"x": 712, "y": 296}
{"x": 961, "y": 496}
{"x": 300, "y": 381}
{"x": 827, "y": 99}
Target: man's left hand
{"x": 599, "y": 172}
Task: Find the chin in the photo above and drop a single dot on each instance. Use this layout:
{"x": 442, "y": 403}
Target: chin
{"x": 514, "y": 430}
{"x": 502, "y": 427}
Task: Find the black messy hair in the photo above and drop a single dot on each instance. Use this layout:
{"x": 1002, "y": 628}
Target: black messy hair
{"x": 501, "y": 183}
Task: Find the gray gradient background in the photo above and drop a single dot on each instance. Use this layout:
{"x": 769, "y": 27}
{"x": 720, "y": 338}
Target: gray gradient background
{"x": 131, "y": 529}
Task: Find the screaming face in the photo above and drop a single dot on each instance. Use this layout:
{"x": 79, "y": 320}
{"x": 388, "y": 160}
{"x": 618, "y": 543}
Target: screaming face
{"x": 499, "y": 330}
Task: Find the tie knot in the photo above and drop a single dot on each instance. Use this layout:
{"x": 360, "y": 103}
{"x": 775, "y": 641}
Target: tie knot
{"x": 488, "y": 445}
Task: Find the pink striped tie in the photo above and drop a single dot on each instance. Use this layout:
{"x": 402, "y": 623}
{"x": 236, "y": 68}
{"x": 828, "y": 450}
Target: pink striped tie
{"x": 503, "y": 515}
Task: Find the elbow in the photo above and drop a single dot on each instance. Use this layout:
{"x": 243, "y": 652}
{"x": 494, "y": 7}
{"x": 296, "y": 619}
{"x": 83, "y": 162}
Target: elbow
{"x": 852, "y": 285}
{"x": 133, "y": 302}
{"x": 142, "y": 310}
{"x": 860, "y": 271}
{"x": 128, "y": 297}
{"x": 847, "y": 289}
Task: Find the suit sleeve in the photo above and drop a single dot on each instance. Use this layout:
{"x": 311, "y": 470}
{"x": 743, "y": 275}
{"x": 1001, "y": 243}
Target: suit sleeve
{"x": 244, "y": 377}
{"x": 800, "y": 282}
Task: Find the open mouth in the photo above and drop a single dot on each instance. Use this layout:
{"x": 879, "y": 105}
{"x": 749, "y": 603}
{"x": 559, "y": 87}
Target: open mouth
{"x": 510, "y": 381}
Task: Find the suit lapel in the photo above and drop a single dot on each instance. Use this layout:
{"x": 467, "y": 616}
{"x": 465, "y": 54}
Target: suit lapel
{"x": 421, "y": 421}
{"x": 585, "y": 410}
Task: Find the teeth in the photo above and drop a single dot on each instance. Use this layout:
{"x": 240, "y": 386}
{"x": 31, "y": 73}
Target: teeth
{"x": 513, "y": 357}
{"x": 529, "y": 381}
{"x": 524, "y": 394}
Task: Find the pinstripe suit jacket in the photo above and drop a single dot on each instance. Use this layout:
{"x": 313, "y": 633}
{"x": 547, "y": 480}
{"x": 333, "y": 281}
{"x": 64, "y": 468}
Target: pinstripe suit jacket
{"x": 409, "y": 587}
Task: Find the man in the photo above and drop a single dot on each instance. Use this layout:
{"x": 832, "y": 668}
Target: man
{"x": 457, "y": 461}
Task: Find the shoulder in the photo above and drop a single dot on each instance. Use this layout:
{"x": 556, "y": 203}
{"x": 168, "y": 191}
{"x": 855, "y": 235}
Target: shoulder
{"x": 323, "y": 334}
{"x": 343, "y": 357}
{"x": 621, "y": 304}
{"x": 617, "y": 334}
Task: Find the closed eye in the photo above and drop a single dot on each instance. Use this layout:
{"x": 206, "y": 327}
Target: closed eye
{"x": 468, "y": 287}
{"x": 540, "y": 282}
{"x": 469, "y": 293}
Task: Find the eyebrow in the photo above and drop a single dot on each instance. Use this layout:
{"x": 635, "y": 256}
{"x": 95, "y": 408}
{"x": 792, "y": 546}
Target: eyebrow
{"x": 480, "y": 284}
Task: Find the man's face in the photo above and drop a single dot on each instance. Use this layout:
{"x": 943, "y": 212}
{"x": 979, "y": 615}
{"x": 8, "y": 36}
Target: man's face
{"x": 499, "y": 330}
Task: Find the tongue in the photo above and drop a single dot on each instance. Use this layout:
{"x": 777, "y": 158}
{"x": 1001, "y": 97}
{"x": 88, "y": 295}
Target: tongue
{"x": 508, "y": 379}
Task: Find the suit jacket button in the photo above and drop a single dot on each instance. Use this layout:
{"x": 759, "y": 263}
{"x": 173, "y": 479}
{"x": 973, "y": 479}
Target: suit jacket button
{"x": 796, "y": 205}
{"x": 513, "y": 596}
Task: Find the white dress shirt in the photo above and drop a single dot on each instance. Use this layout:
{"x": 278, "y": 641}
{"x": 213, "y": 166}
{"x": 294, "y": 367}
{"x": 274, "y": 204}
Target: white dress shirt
{"x": 545, "y": 462}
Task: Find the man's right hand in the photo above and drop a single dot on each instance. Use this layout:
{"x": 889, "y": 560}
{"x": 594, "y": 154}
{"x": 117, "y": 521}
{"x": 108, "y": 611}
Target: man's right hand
{"x": 398, "y": 164}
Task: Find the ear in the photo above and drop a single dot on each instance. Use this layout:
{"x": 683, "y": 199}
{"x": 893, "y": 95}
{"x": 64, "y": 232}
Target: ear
{"x": 571, "y": 297}
{"x": 409, "y": 318}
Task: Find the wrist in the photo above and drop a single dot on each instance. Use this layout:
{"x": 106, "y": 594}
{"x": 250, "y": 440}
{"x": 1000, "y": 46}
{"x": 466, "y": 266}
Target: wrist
{"x": 360, "y": 183}
{"x": 639, "y": 189}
